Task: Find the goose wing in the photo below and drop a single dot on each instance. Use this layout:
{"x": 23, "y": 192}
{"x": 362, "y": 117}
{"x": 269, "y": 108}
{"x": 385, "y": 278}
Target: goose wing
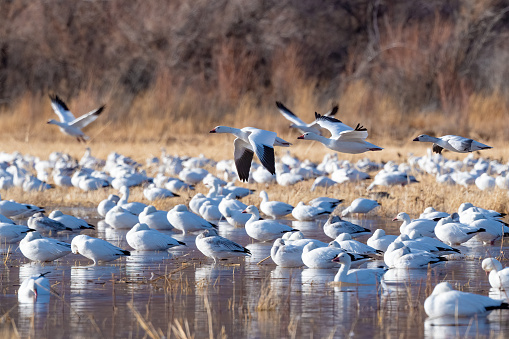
{"x": 243, "y": 155}
{"x": 334, "y": 125}
{"x": 262, "y": 143}
{"x": 60, "y": 108}
{"x": 359, "y": 133}
{"x": 86, "y": 119}
{"x": 289, "y": 115}
{"x": 459, "y": 143}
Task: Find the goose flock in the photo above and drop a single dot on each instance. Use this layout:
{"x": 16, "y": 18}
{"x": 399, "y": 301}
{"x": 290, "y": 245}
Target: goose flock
{"x": 430, "y": 240}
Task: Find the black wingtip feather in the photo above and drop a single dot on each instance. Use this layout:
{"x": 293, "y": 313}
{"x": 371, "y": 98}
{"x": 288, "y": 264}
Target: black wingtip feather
{"x": 325, "y": 118}
{"x": 126, "y": 252}
{"x": 59, "y": 101}
{"x": 284, "y": 108}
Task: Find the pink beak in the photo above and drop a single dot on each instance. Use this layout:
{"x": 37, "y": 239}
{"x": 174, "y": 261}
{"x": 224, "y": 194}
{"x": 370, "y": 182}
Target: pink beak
{"x": 301, "y": 137}
{"x": 396, "y": 218}
{"x": 213, "y": 131}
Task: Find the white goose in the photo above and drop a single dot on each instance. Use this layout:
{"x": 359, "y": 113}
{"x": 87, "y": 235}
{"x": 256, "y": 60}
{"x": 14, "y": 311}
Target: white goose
{"x": 400, "y": 256}
{"x": 348, "y": 244}
{"x": 42, "y": 223}
{"x": 33, "y": 288}
{"x": 431, "y": 213}
{"x": 455, "y": 233}
{"x": 380, "y": 241}
{"x": 70, "y": 221}
{"x": 336, "y": 226}
{"x": 154, "y": 193}
{"x": 229, "y": 202}
{"x": 38, "y": 248}
{"x": 264, "y": 230}
{"x": 68, "y": 123}
{"x": 10, "y": 234}
{"x": 446, "y": 301}
{"x": 120, "y": 218}
{"x": 360, "y": 205}
{"x": 133, "y": 207}
{"x": 328, "y": 204}
{"x": 346, "y": 275}
{"x": 452, "y": 143}
{"x": 498, "y": 276}
{"x": 96, "y": 249}
{"x": 286, "y": 255}
{"x": 236, "y": 218}
{"x": 142, "y": 238}
{"x": 11, "y": 208}
{"x": 186, "y": 221}
{"x": 249, "y": 141}
{"x": 155, "y": 219}
{"x": 298, "y": 123}
{"x": 344, "y": 139}
{"x": 424, "y": 226}
{"x": 274, "y": 209}
{"x": 304, "y": 212}
{"x": 217, "y": 247}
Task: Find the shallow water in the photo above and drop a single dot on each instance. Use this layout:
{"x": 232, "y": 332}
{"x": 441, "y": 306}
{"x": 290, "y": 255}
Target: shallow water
{"x": 163, "y": 292}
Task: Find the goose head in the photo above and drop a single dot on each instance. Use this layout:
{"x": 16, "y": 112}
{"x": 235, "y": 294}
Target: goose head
{"x": 490, "y": 264}
{"x": 425, "y": 138}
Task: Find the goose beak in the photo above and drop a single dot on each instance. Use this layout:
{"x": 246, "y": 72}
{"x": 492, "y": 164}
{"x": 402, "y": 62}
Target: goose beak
{"x": 395, "y": 219}
{"x": 301, "y": 137}
{"x": 416, "y": 139}
{"x": 244, "y": 211}
{"x": 213, "y": 131}
{"x": 336, "y": 258}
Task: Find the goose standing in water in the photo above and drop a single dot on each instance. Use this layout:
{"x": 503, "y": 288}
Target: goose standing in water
{"x": 252, "y": 140}
{"x": 96, "y": 249}
{"x": 33, "y": 288}
{"x": 274, "y": 209}
{"x": 217, "y": 247}
{"x": 264, "y": 230}
{"x": 498, "y": 276}
{"x": 344, "y": 139}
{"x": 366, "y": 276}
{"x": 68, "y": 123}
{"x": 452, "y": 143}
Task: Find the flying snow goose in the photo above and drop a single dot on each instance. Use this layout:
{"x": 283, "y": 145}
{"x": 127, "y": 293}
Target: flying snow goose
{"x": 70, "y": 221}
{"x": 38, "y": 248}
{"x": 380, "y": 241}
{"x": 68, "y": 123}
{"x": 186, "y": 221}
{"x": 303, "y": 212}
{"x": 455, "y": 233}
{"x": 120, "y": 218}
{"x": 143, "y": 238}
{"x": 446, "y": 301}
{"x": 252, "y": 140}
{"x": 452, "y": 143}
{"x": 96, "y": 249}
{"x": 217, "y": 247}
{"x": 42, "y": 223}
{"x": 155, "y": 219}
{"x": 366, "y": 276}
{"x": 344, "y": 139}
{"x": 498, "y": 276}
{"x": 10, "y": 234}
{"x": 360, "y": 205}
{"x": 274, "y": 209}
{"x": 336, "y": 226}
{"x": 286, "y": 255}
{"x": 424, "y": 226}
{"x": 34, "y": 287}
{"x": 264, "y": 230}
{"x": 298, "y": 123}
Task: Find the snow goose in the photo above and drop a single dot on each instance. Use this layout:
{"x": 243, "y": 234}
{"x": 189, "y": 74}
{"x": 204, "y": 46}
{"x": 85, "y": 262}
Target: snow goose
{"x": 455, "y": 233}
{"x": 107, "y": 204}
{"x": 143, "y": 238}
{"x": 264, "y": 230}
{"x": 133, "y": 207}
{"x": 209, "y": 211}
{"x": 494, "y": 229}
{"x": 345, "y": 275}
{"x": 175, "y": 185}
{"x": 286, "y": 255}
{"x": 424, "y": 226}
{"x": 380, "y": 241}
{"x": 431, "y": 213}
{"x": 321, "y": 257}
{"x": 353, "y": 246}
{"x": 217, "y": 247}
{"x": 303, "y": 212}
{"x": 193, "y": 176}
{"x": 297, "y": 123}
{"x": 70, "y": 221}
{"x": 38, "y": 248}
{"x": 68, "y": 123}
{"x": 498, "y": 276}
{"x": 10, "y": 208}
{"x": 437, "y": 245}
{"x": 10, "y": 234}
{"x": 153, "y": 193}
{"x": 249, "y": 141}
{"x": 322, "y": 181}
{"x": 186, "y": 221}
{"x": 328, "y": 204}
{"x": 155, "y": 219}
{"x": 502, "y": 181}
{"x": 485, "y": 182}
{"x": 400, "y": 256}
{"x": 229, "y": 202}
{"x": 236, "y": 218}
{"x": 344, "y": 139}
{"x": 120, "y": 218}
{"x": 336, "y": 226}
{"x": 33, "y": 288}
{"x": 446, "y": 301}
{"x": 274, "y": 209}
{"x": 452, "y": 143}
{"x": 42, "y": 223}
{"x": 392, "y": 178}
{"x": 466, "y": 206}
{"x": 96, "y": 249}
{"x": 360, "y": 205}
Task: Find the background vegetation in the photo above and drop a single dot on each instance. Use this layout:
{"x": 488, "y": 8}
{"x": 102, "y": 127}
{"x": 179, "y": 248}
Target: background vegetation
{"x": 180, "y": 67}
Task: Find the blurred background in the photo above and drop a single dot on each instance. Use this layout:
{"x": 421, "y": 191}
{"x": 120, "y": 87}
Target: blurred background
{"x": 181, "y": 67}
